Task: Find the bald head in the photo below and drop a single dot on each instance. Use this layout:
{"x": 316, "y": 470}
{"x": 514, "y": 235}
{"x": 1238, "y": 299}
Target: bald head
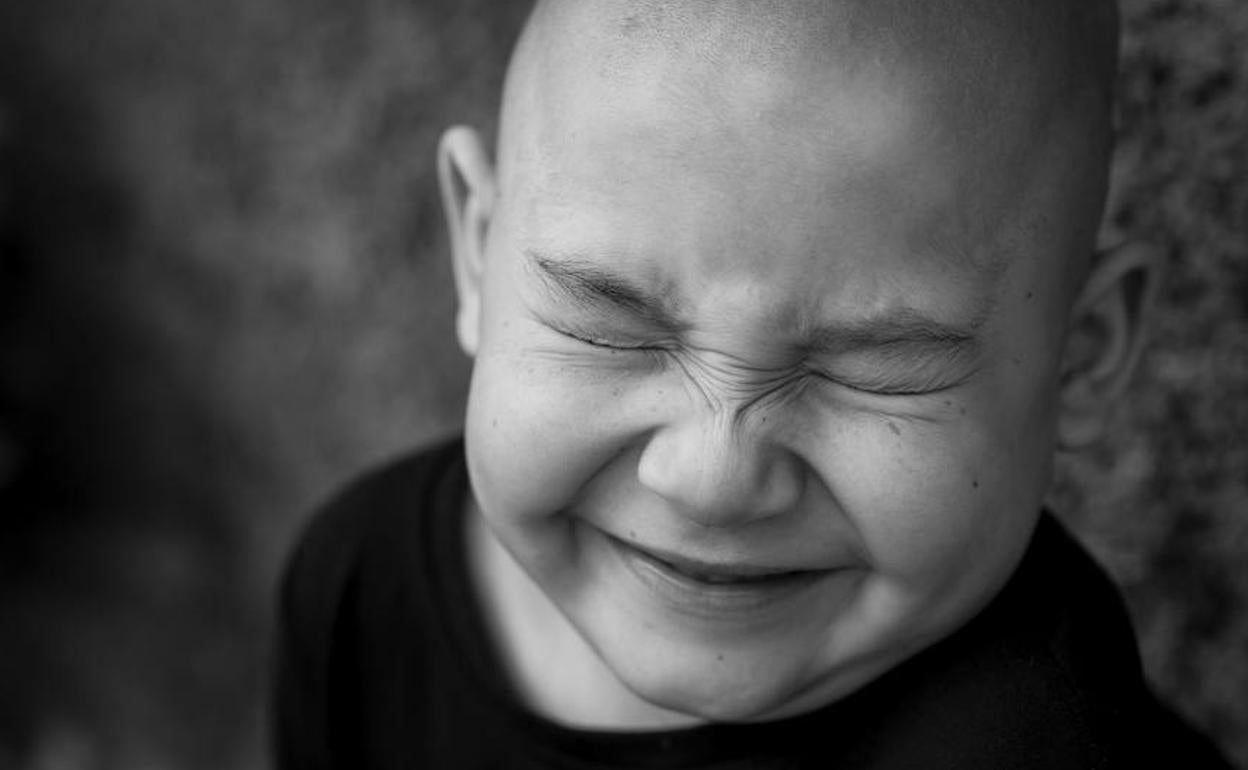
{"x": 1065, "y": 38}
{"x": 1020, "y": 85}
{"x": 1040, "y": 49}
{"x": 1009, "y": 102}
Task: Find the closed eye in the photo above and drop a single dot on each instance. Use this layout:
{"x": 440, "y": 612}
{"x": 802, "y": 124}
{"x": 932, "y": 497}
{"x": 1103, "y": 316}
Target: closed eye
{"x": 600, "y": 341}
{"x": 891, "y": 387}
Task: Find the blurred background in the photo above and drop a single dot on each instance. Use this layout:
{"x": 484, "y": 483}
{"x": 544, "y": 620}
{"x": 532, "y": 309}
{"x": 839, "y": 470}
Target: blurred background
{"x": 224, "y": 290}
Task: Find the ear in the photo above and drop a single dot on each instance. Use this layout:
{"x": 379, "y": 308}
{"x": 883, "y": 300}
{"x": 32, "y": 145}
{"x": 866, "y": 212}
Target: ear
{"x": 466, "y": 179}
{"x": 1106, "y": 338}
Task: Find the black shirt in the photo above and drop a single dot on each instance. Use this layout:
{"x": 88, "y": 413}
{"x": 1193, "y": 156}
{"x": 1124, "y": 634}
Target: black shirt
{"x": 384, "y": 662}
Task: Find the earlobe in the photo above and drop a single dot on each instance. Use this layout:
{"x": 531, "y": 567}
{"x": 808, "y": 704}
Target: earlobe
{"x": 466, "y": 179}
{"x": 1106, "y": 339}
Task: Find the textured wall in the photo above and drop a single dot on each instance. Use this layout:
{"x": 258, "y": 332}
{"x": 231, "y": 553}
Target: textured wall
{"x": 1166, "y": 503}
{"x": 223, "y": 290}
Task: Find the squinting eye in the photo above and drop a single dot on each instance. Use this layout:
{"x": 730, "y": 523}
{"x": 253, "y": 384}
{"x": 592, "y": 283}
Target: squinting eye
{"x": 885, "y": 387}
{"x": 601, "y": 342}
{"x": 897, "y": 390}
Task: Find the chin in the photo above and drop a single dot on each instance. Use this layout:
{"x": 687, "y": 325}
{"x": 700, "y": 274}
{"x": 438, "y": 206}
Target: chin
{"x": 717, "y": 690}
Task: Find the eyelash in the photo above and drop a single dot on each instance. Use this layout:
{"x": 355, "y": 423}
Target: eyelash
{"x": 605, "y": 344}
{"x": 894, "y": 392}
{"x": 886, "y": 391}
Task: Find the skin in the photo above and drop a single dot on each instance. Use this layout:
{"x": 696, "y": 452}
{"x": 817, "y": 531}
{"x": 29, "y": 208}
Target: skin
{"x": 775, "y": 288}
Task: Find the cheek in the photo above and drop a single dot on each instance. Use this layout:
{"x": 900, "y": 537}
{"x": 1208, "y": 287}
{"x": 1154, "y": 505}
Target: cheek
{"x": 912, "y": 495}
{"x": 941, "y": 505}
{"x": 537, "y": 431}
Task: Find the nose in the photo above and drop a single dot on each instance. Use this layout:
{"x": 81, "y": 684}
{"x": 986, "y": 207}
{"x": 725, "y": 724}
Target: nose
{"x": 720, "y": 472}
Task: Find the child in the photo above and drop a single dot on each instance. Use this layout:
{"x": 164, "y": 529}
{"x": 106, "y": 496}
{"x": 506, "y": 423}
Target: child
{"x": 778, "y": 311}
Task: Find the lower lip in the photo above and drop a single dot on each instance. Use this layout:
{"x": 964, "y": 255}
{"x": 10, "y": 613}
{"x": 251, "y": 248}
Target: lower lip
{"x": 688, "y": 594}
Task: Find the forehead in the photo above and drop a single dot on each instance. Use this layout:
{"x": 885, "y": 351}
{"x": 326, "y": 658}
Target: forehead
{"x": 803, "y": 181}
{"x": 734, "y": 184}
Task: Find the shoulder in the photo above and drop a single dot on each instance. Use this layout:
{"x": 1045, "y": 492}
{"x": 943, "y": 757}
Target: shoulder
{"x": 336, "y": 534}
{"x": 328, "y": 598}
{"x": 1069, "y": 671}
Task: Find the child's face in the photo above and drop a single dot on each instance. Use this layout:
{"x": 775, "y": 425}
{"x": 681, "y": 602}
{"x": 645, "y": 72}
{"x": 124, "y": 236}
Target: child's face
{"x": 765, "y": 387}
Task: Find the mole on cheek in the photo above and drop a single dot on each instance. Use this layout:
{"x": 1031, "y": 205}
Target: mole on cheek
{"x": 893, "y": 427}
{"x": 975, "y": 483}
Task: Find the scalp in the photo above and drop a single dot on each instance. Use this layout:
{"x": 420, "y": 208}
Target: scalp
{"x": 1065, "y": 42}
{"x": 986, "y": 56}
{"x": 1001, "y": 76}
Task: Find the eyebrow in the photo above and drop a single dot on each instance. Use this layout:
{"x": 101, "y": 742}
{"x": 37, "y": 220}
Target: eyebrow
{"x": 591, "y": 286}
{"x": 901, "y": 332}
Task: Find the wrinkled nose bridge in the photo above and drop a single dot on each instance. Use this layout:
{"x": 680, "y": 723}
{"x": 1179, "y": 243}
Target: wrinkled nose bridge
{"x": 721, "y": 467}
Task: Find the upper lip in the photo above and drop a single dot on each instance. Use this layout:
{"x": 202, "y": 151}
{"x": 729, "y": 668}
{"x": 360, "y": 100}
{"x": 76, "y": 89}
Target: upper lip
{"x": 719, "y": 569}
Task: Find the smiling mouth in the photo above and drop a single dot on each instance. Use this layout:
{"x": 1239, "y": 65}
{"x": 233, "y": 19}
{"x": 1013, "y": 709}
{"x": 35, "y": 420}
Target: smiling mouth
{"x": 712, "y": 574}
{"x": 726, "y": 586}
